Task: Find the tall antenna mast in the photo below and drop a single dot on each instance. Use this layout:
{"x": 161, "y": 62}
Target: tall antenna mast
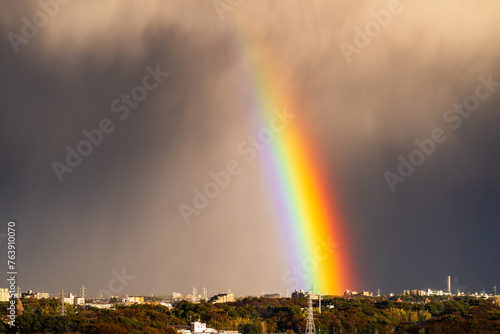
{"x": 310, "y": 329}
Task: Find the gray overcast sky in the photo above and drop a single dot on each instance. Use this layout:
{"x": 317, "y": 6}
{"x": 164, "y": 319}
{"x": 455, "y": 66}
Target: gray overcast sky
{"x": 118, "y": 209}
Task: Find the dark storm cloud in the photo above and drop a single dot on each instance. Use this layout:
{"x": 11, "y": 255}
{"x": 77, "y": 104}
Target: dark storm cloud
{"x": 119, "y": 207}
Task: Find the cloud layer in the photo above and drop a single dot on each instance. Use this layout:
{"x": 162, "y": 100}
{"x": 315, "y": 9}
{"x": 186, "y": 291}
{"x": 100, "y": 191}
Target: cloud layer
{"x": 119, "y": 207}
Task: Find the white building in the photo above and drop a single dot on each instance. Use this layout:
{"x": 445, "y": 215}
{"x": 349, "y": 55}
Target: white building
{"x": 79, "y": 301}
{"x": 201, "y": 327}
{"x": 438, "y": 293}
{"x": 74, "y": 300}
{"x": 69, "y": 300}
{"x": 133, "y": 300}
{"x": 4, "y": 295}
{"x": 35, "y": 295}
{"x": 41, "y": 295}
{"x": 106, "y": 306}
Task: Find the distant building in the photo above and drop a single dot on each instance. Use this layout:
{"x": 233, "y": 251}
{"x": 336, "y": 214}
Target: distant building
{"x": 348, "y": 294}
{"x": 133, "y": 300}
{"x": 192, "y": 298}
{"x": 70, "y": 299}
{"x": 74, "y": 300}
{"x": 176, "y": 296}
{"x": 41, "y": 295}
{"x": 223, "y": 298}
{"x": 105, "y": 306}
{"x": 437, "y": 293}
{"x": 167, "y": 305}
{"x": 198, "y": 327}
{"x": 201, "y": 327}
{"x": 35, "y": 295}
{"x": 28, "y": 294}
{"x": 414, "y": 293}
{"x": 299, "y": 294}
{"x": 4, "y": 295}
{"x": 195, "y": 327}
{"x": 271, "y": 295}
{"x": 79, "y": 301}
{"x": 303, "y": 294}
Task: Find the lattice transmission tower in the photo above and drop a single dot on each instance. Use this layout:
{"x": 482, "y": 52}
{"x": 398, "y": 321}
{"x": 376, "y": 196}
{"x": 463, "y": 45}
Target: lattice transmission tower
{"x": 310, "y": 329}
{"x": 62, "y": 303}
{"x": 205, "y": 294}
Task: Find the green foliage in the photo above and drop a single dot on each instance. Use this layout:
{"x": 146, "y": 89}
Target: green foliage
{"x": 259, "y": 315}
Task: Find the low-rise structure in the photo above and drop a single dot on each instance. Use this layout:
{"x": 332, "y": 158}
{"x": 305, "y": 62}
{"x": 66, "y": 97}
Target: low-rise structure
{"x": 70, "y": 299}
{"x": 223, "y": 298}
{"x": 437, "y": 293}
{"x": 414, "y": 293}
{"x": 103, "y": 306}
{"x": 303, "y": 294}
{"x": 348, "y": 294}
{"x": 79, "y": 301}
{"x": 4, "y": 295}
{"x": 35, "y": 295}
{"x": 133, "y": 300}
{"x": 74, "y": 300}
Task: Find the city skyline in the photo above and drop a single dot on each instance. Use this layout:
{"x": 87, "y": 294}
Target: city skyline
{"x": 451, "y": 286}
{"x": 252, "y": 145}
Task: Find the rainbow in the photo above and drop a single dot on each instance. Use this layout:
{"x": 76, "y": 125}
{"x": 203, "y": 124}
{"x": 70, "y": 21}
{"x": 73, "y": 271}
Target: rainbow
{"x": 305, "y": 204}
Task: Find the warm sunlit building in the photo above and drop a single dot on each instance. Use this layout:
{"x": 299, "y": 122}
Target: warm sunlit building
{"x": 223, "y": 298}
{"x": 4, "y": 295}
